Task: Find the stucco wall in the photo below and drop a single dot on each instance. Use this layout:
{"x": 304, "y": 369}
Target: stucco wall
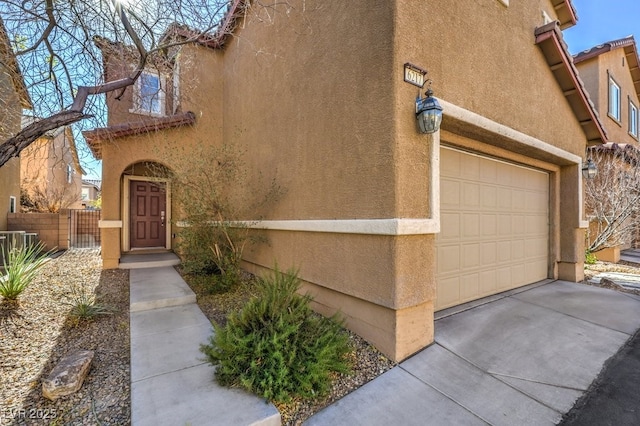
{"x": 482, "y": 57}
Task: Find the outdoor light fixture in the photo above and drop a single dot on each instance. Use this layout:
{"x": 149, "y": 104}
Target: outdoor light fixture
{"x": 428, "y": 113}
{"x": 589, "y": 169}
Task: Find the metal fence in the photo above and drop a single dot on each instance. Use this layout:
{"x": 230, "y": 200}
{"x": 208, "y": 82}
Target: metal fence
{"x": 83, "y": 228}
{"x": 15, "y": 239}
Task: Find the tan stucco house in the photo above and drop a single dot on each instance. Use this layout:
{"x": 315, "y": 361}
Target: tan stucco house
{"x": 13, "y": 98}
{"x": 386, "y": 224}
{"x": 611, "y": 76}
{"x": 90, "y": 191}
{"x": 50, "y": 171}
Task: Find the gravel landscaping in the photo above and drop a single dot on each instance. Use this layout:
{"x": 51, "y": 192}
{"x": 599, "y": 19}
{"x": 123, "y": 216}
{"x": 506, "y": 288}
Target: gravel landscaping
{"x": 591, "y": 271}
{"x": 38, "y": 331}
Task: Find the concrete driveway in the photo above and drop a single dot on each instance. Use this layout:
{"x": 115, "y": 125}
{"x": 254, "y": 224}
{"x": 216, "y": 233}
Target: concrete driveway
{"x": 522, "y": 357}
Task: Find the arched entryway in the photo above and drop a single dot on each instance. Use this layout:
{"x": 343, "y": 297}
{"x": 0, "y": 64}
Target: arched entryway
{"x": 146, "y": 204}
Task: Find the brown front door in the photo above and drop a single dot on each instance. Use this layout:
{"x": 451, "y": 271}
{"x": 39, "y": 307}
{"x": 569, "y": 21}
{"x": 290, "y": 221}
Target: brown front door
{"x": 148, "y": 214}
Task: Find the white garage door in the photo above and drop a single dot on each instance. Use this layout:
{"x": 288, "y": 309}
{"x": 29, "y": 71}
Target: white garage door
{"x": 494, "y": 227}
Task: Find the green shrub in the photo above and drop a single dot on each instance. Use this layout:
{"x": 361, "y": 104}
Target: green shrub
{"x": 84, "y": 305}
{"x": 590, "y": 258}
{"x": 276, "y": 346}
{"x": 20, "y": 268}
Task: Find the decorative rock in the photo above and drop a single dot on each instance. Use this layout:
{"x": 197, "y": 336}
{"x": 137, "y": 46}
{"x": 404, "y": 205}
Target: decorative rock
{"x": 67, "y": 376}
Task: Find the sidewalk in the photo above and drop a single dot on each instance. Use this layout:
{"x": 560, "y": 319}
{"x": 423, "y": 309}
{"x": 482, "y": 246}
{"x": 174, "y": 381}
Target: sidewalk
{"x": 171, "y": 384}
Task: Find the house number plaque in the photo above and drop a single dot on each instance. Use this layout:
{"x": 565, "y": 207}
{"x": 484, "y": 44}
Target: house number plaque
{"x": 415, "y": 75}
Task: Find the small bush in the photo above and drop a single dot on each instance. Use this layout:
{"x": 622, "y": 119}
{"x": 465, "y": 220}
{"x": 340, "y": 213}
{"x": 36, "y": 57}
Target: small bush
{"x": 84, "y": 305}
{"x": 590, "y": 258}
{"x": 20, "y": 268}
{"x": 276, "y": 346}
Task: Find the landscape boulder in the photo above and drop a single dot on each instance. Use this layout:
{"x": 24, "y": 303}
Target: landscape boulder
{"x": 67, "y": 376}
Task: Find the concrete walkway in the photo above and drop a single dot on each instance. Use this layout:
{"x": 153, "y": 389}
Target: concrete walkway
{"x": 520, "y": 358}
{"x": 170, "y": 382}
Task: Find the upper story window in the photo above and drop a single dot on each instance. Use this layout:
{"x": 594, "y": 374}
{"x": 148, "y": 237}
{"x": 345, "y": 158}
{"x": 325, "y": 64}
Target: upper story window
{"x": 614, "y": 100}
{"x": 633, "y": 119}
{"x": 149, "y": 94}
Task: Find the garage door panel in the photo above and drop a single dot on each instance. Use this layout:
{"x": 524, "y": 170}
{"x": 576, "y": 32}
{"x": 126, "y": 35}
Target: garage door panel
{"x": 504, "y": 225}
{"x": 450, "y": 226}
{"x": 470, "y": 196}
{"x": 504, "y": 198}
{"x": 489, "y": 252}
{"x": 450, "y": 292}
{"x": 488, "y": 282}
{"x": 504, "y": 251}
{"x": 470, "y": 226}
{"x": 470, "y": 256}
{"x": 449, "y": 259}
{"x": 517, "y": 224}
{"x": 494, "y": 227}
{"x": 488, "y": 172}
{"x": 517, "y": 250}
{"x": 469, "y": 167}
{"x": 469, "y": 286}
{"x": 489, "y": 225}
{"x": 449, "y": 193}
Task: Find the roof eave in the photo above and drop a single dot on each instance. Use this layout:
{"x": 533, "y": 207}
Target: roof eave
{"x": 566, "y": 13}
{"x": 95, "y": 138}
{"x": 549, "y": 39}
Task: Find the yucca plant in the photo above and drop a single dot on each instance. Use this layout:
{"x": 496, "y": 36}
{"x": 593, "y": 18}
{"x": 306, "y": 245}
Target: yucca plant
{"x": 21, "y": 266}
{"x": 85, "y": 305}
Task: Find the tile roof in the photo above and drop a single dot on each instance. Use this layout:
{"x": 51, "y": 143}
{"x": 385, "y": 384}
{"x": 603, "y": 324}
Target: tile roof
{"x": 97, "y": 183}
{"x": 217, "y": 39}
{"x": 96, "y": 137}
{"x": 549, "y": 39}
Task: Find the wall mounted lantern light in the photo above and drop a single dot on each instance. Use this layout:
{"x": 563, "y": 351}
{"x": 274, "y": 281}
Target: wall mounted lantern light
{"x": 589, "y": 169}
{"x": 428, "y": 113}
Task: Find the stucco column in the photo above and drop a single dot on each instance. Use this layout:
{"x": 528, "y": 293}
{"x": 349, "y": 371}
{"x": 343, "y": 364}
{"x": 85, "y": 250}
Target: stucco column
{"x": 571, "y": 262}
{"x": 111, "y": 223}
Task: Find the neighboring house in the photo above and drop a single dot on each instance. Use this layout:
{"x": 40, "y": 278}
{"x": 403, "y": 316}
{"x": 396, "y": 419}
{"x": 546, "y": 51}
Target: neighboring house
{"x": 51, "y": 175}
{"x": 386, "y": 225}
{"x": 611, "y": 75}
{"x": 13, "y": 99}
{"x": 90, "y": 191}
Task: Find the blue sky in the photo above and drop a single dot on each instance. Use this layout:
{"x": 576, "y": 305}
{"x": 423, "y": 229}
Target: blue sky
{"x": 600, "y": 21}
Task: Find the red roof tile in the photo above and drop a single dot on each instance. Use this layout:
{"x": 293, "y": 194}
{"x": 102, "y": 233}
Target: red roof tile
{"x": 95, "y": 137}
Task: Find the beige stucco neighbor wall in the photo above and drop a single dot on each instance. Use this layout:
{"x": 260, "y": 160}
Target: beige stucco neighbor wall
{"x": 10, "y": 114}
{"x": 44, "y": 168}
{"x": 595, "y": 73}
